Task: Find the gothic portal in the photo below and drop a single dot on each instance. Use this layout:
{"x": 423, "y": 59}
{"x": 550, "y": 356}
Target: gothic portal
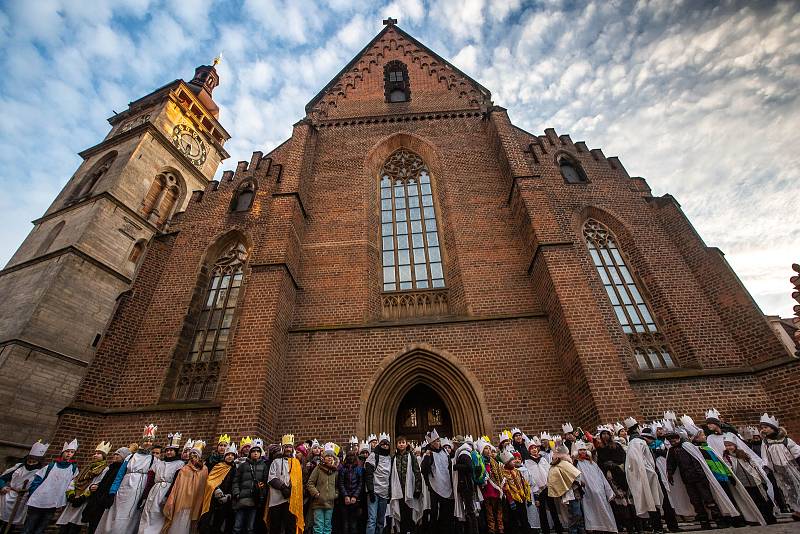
{"x": 408, "y": 258}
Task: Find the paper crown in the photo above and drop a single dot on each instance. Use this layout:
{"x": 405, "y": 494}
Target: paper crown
{"x": 330, "y": 448}
{"x": 224, "y": 438}
{"x": 769, "y": 420}
{"x": 371, "y": 438}
{"x": 712, "y": 415}
{"x": 657, "y": 424}
{"x": 629, "y": 422}
{"x": 617, "y": 427}
{"x": 748, "y": 432}
{"x": 383, "y": 436}
{"x": 544, "y": 436}
{"x": 149, "y": 433}
{"x": 669, "y": 425}
{"x": 580, "y": 445}
{"x": 469, "y": 439}
{"x": 174, "y": 440}
{"x": 257, "y": 443}
{"x": 363, "y": 446}
{"x": 188, "y": 444}
{"x": 245, "y": 441}
{"x": 533, "y": 441}
{"x": 353, "y": 440}
{"x": 287, "y": 439}
{"x": 670, "y": 416}
{"x": 689, "y": 426}
{"x": 72, "y": 445}
{"x": 506, "y": 456}
{"x": 197, "y": 447}
{"x": 566, "y": 428}
{"x": 432, "y": 436}
{"x": 104, "y": 447}
{"x": 515, "y": 431}
{"x": 39, "y": 448}
{"x": 315, "y": 443}
{"x": 481, "y": 444}
{"x": 231, "y": 449}
{"x": 446, "y": 442}
{"x": 505, "y": 435}
{"x": 605, "y": 428}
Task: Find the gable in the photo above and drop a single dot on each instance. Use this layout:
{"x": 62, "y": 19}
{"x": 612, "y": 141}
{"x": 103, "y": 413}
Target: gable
{"x": 358, "y": 89}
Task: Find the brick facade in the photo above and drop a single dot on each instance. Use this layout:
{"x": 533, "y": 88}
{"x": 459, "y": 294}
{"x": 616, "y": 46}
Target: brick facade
{"x": 530, "y": 334}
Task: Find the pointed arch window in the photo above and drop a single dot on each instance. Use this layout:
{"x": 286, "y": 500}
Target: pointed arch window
{"x": 412, "y": 257}
{"x": 632, "y": 311}
{"x": 571, "y": 171}
{"x": 199, "y": 373}
{"x": 162, "y": 198}
{"x": 84, "y": 187}
{"x": 243, "y": 198}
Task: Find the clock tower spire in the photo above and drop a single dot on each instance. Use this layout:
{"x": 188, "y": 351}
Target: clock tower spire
{"x": 62, "y": 284}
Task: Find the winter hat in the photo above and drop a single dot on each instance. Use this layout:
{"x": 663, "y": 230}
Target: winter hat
{"x": 330, "y": 450}
{"x": 506, "y": 457}
{"x": 124, "y": 452}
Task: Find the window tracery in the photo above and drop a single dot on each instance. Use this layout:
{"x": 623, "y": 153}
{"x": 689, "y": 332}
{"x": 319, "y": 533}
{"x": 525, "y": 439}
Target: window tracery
{"x": 411, "y": 255}
{"x": 632, "y": 311}
{"x": 200, "y": 371}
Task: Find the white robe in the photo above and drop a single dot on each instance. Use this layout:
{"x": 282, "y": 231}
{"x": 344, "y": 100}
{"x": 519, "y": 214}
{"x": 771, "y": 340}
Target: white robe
{"x": 278, "y": 469}
{"x": 597, "y": 512}
{"x": 52, "y": 492}
{"x": 416, "y": 505}
{"x": 717, "y": 444}
{"x": 530, "y": 476}
{"x": 640, "y": 471}
{"x": 72, "y": 514}
{"x": 164, "y": 475}
{"x": 16, "y": 484}
{"x": 538, "y": 474}
{"x": 440, "y": 477}
{"x": 780, "y": 457}
{"x": 123, "y": 516}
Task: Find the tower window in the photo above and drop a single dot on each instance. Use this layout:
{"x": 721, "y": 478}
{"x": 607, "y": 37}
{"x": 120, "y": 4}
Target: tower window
{"x": 412, "y": 257}
{"x": 396, "y": 84}
{"x": 632, "y": 312}
{"x": 161, "y": 200}
{"x": 571, "y": 171}
{"x": 243, "y": 198}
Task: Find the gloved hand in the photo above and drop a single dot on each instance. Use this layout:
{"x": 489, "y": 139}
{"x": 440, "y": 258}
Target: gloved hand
{"x": 218, "y": 493}
{"x": 286, "y": 491}
{"x": 417, "y": 494}
{"x": 372, "y": 496}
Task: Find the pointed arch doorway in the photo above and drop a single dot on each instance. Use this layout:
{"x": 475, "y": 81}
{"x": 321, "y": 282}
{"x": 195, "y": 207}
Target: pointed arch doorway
{"x": 420, "y": 410}
{"x": 422, "y": 378}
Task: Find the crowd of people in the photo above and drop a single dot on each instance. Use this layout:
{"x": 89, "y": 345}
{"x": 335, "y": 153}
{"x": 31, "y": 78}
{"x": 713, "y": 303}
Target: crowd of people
{"x": 627, "y": 477}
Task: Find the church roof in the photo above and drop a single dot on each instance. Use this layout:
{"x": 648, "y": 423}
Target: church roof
{"x": 331, "y": 84}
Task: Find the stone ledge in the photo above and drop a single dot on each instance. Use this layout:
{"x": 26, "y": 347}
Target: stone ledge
{"x": 416, "y": 322}
{"x": 673, "y": 374}
{"x": 164, "y": 407}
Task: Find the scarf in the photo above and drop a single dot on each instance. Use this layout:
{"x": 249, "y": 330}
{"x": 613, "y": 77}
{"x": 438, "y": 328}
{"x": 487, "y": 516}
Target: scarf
{"x": 494, "y": 476}
{"x": 516, "y": 488}
{"x": 215, "y": 478}
{"x": 84, "y": 479}
{"x": 720, "y": 470}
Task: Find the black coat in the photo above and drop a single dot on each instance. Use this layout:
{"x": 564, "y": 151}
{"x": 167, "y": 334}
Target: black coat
{"x": 99, "y": 501}
{"x": 679, "y": 459}
{"x": 244, "y": 489}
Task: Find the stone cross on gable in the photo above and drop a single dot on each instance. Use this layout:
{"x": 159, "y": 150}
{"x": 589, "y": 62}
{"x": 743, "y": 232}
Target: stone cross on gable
{"x": 389, "y": 22}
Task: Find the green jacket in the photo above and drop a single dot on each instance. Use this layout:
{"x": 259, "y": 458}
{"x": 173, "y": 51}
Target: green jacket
{"x": 321, "y": 486}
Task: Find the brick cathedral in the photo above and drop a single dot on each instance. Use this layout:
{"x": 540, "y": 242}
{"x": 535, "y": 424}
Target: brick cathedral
{"x": 408, "y": 258}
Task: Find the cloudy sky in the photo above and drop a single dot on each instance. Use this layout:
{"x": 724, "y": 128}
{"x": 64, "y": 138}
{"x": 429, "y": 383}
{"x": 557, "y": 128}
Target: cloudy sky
{"x": 700, "y": 98}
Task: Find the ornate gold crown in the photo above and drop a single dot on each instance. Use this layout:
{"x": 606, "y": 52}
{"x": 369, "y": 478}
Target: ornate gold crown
{"x": 287, "y": 439}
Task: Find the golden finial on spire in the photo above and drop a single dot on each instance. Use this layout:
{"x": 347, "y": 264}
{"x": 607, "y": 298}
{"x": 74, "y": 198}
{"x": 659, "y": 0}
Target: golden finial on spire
{"x": 218, "y": 59}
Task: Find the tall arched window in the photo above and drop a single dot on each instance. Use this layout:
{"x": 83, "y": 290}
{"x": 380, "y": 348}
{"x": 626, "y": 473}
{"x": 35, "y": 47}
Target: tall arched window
{"x": 161, "y": 199}
{"x": 89, "y": 180}
{"x": 571, "y": 171}
{"x": 199, "y": 373}
{"x": 412, "y": 257}
{"x": 632, "y": 311}
{"x": 51, "y": 236}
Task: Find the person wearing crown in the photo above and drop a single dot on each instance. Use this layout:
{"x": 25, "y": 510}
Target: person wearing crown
{"x": 597, "y": 512}
{"x": 405, "y": 488}
{"x": 490, "y": 489}
{"x": 218, "y": 453}
{"x": 351, "y": 487}
{"x": 517, "y": 492}
{"x": 81, "y": 487}
{"x": 128, "y": 487}
{"x": 642, "y": 475}
{"x": 436, "y": 470}
{"x": 244, "y": 449}
{"x": 99, "y": 500}
{"x": 48, "y": 491}
{"x": 216, "y": 514}
{"x": 782, "y": 456}
{"x": 372, "y": 441}
{"x": 518, "y": 442}
{"x": 14, "y": 484}
{"x": 538, "y": 467}
{"x": 377, "y": 478}
{"x": 185, "y": 501}
{"x": 465, "y": 492}
{"x": 160, "y": 479}
{"x": 285, "y": 479}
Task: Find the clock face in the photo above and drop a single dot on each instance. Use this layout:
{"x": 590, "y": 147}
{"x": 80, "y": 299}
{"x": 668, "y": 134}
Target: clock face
{"x": 190, "y": 143}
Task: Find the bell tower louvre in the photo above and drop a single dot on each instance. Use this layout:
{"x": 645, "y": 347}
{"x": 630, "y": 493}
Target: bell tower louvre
{"x": 408, "y": 255}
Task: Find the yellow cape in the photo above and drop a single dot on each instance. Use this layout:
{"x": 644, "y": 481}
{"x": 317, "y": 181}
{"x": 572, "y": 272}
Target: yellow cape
{"x": 215, "y": 478}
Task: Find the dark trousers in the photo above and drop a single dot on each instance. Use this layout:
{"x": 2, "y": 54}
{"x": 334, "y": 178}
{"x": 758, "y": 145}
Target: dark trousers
{"x": 470, "y": 523}
{"x": 734, "y": 521}
{"x": 669, "y": 512}
{"x": 281, "y": 521}
{"x": 69, "y": 528}
{"x": 406, "y": 518}
{"x": 37, "y": 520}
{"x": 763, "y": 504}
{"x": 779, "y": 500}
{"x": 245, "y": 521}
{"x": 350, "y": 516}
{"x": 702, "y": 500}
{"x": 441, "y": 514}
{"x": 548, "y": 505}
{"x": 517, "y": 518}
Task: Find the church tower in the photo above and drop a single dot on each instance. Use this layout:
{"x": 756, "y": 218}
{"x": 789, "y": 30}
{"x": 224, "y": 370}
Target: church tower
{"x": 60, "y": 288}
